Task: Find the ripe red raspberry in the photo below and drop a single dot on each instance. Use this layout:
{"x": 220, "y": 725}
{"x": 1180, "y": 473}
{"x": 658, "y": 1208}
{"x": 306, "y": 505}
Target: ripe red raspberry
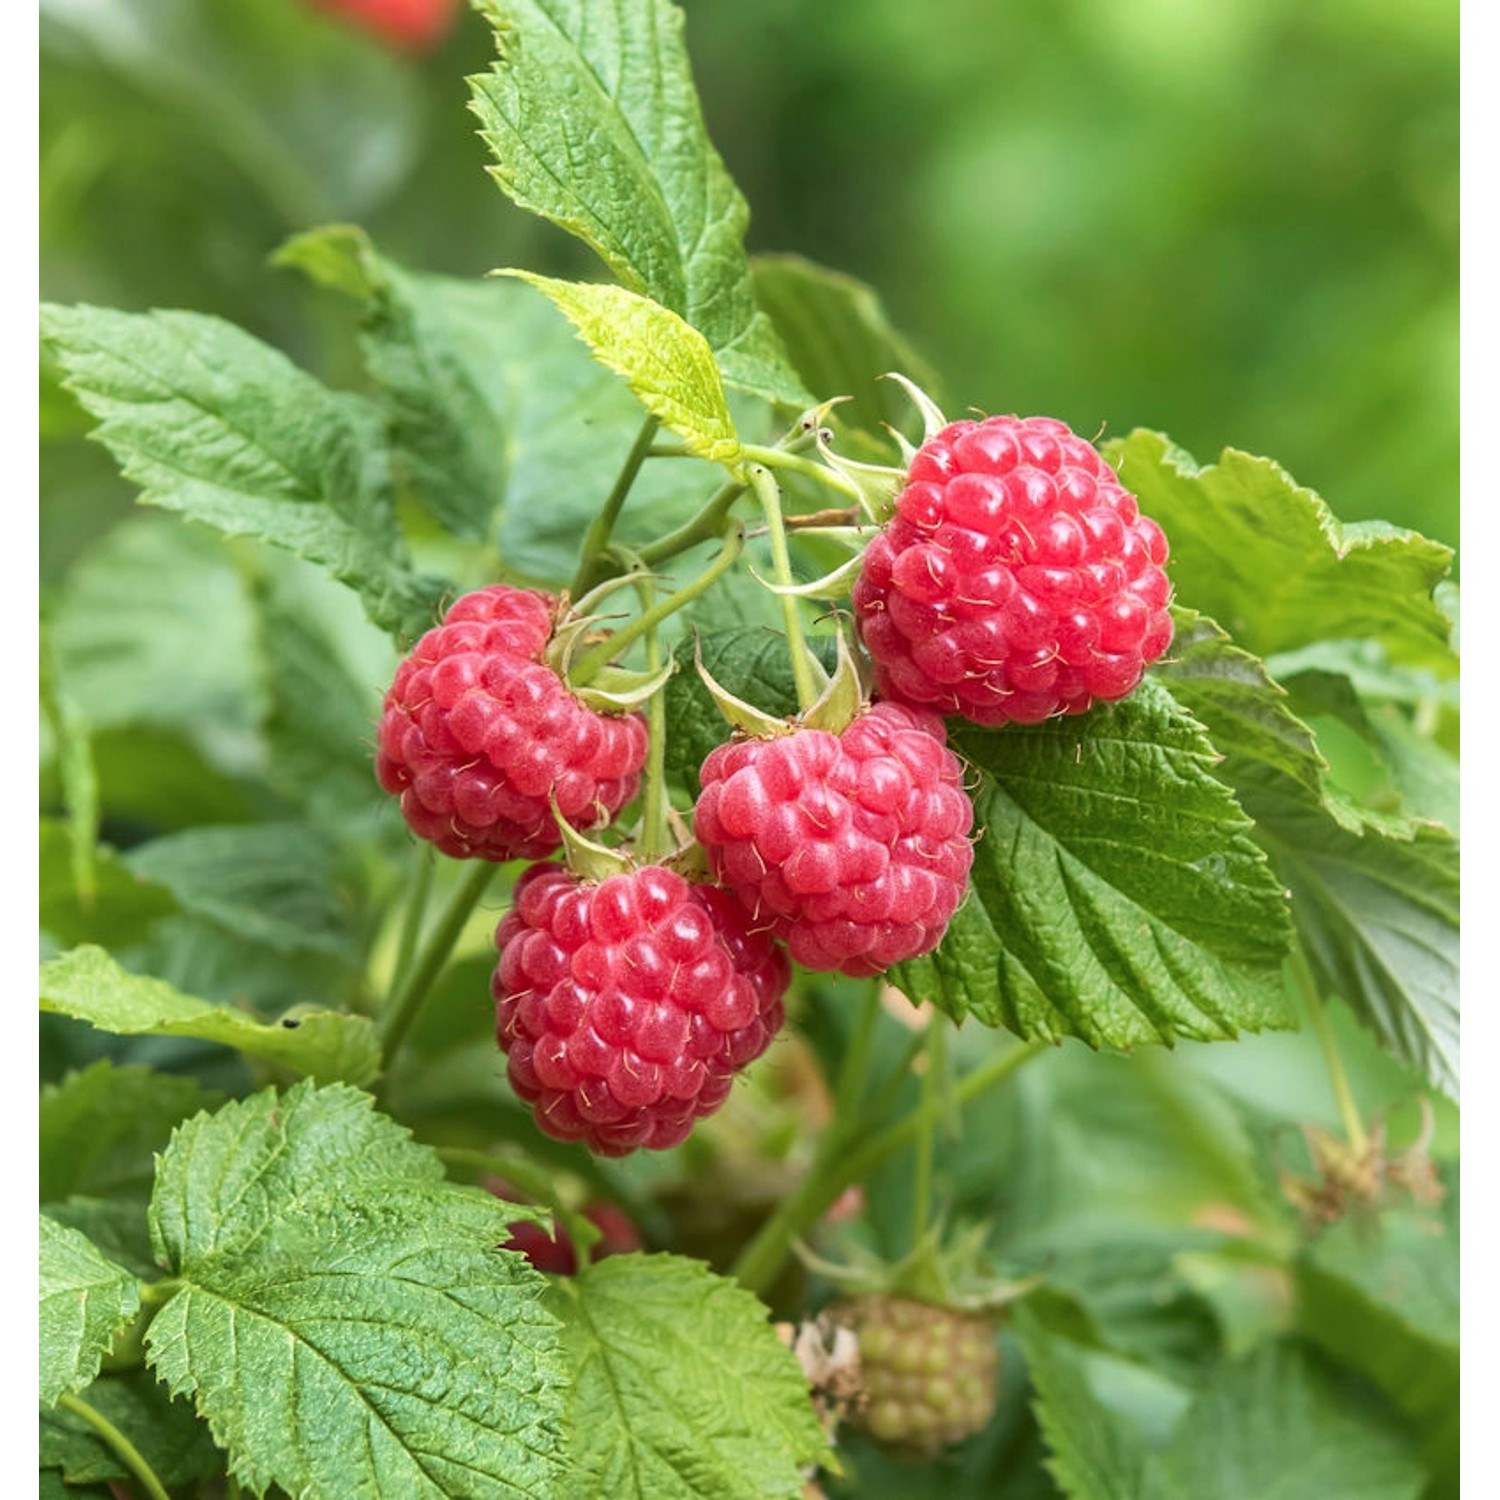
{"x": 479, "y": 733}
{"x": 626, "y": 1007}
{"x": 930, "y": 1373}
{"x": 1016, "y": 580}
{"x": 556, "y": 1253}
{"x": 404, "y": 25}
{"x": 852, "y": 846}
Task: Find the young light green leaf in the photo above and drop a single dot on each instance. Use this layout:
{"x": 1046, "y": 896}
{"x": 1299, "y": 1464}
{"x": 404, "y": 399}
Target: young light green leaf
{"x": 1093, "y": 1455}
{"x": 665, "y": 361}
{"x": 680, "y": 1387}
{"x": 840, "y": 340}
{"x": 1375, "y": 900}
{"x": 594, "y": 122}
{"x": 211, "y": 422}
{"x": 87, "y": 984}
{"x": 84, "y": 1300}
{"x": 345, "y": 1323}
{"x": 1283, "y": 1423}
{"x": 271, "y": 883}
{"x": 1270, "y": 562}
{"x": 165, "y": 1433}
{"x": 100, "y": 1128}
{"x": 1115, "y": 894}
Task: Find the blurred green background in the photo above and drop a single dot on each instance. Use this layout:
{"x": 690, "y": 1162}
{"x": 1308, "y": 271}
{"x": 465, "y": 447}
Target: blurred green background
{"x": 1233, "y": 220}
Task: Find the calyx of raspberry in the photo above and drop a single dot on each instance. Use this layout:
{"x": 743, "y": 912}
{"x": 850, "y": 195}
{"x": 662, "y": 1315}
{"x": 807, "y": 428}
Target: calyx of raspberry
{"x": 843, "y": 699}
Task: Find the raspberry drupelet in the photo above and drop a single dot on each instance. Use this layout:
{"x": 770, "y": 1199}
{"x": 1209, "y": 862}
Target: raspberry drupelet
{"x": 479, "y": 734}
{"x": 1017, "y": 579}
{"x": 626, "y": 1007}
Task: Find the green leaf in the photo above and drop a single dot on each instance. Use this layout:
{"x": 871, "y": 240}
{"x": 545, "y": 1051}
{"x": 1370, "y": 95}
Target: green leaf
{"x": 680, "y": 1387}
{"x": 666, "y": 362}
{"x": 345, "y": 1323}
{"x": 122, "y": 907}
{"x": 123, "y": 652}
{"x": 503, "y": 425}
{"x": 326, "y": 665}
{"x": 594, "y": 122}
{"x": 271, "y": 883}
{"x": 84, "y": 1300}
{"x": 117, "y": 1227}
{"x": 211, "y": 422}
{"x": 1375, "y": 900}
{"x": 89, "y": 985}
{"x": 1281, "y": 1423}
{"x": 1269, "y": 561}
{"x": 1093, "y": 1455}
{"x": 78, "y": 780}
{"x": 1384, "y": 1300}
{"x": 165, "y": 1432}
{"x": 1115, "y": 894}
{"x": 840, "y": 340}
{"x": 100, "y": 1128}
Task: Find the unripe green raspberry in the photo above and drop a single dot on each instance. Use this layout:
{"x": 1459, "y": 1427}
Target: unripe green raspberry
{"x": 931, "y": 1373}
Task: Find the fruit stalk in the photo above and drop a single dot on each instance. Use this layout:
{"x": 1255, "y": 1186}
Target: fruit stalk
{"x": 596, "y": 539}
{"x": 120, "y": 1445}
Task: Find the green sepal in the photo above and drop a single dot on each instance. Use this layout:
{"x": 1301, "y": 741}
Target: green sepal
{"x": 740, "y": 715}
{"x": 618, "y": 689}
{"x": 944, "y": 1271}
{"x": 845, "y": 697}
{"x": 876, "y": 485}
{"x": 586, "y": 859}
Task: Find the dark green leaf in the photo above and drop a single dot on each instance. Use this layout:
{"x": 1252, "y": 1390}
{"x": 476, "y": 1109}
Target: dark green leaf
{"x": 1115, "y": 893}
{"x": 1269, "y": 561}
{"x": 84, "y": 1300}
{"x": 100, "y": 1128}
{"x": 165, "y": 1432}
{"x": 211, "y": 422}
{"x": 89, "y": 985}
{"x": 680, "y": 1387}
{"x": 1375, "y": 900}
{"x": 1384, "y": 1301}
{"x": 345, "y": 1323}
{"x": 123, "y": 905}
{"x": 271, "y": 883}
{"x": 1281, "y": 1423}
{"x": 594, "y": 123}
{"x": 840, "y": 340}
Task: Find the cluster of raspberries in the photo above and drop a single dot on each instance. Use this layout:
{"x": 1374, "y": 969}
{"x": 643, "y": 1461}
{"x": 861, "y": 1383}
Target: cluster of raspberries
{"x": 1016, "y": 580}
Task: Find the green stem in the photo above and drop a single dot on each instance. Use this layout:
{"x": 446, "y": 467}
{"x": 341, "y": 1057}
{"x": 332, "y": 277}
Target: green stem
{"x": 123, "y": 1448}
{"x": 604, "y": 653}
{"x": 784, "y": 458}
{"x": 411, "y": 993}
{"x": 654, "y": 836}
{"x": 416, "y": 909}
{"x": 921, "y": 1207}
{"x": 232, "y": 1490}
{"x": 835, "y": 1167}
{"x": 596, "y": 538}
{"x": 856, "y": 1063}
{"x": 1354, "y": 1130}
{"x": 703, "y": 527}
{"x": 802, "y": 672}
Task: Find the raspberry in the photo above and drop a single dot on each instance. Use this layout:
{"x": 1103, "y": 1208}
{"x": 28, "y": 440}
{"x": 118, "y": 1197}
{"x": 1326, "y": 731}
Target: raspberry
{"x": 479, "y": 733}
{"x": 557, "y": 1254}
{"x": 405, "y": 25}
{"x": 930, "y": 1372}
{"x": 1016, "y": 580}
{"x": 852, "y": 846}
{"x": 626, "y": 1007}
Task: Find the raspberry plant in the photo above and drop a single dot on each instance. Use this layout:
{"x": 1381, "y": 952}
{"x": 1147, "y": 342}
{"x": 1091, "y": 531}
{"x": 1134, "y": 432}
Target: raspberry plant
{"x": 530, "y": 816}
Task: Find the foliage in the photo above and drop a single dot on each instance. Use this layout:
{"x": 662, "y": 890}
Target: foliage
{"x": 279, "y": 1166}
